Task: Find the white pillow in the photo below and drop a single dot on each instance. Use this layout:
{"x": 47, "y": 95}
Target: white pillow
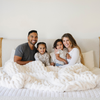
{"x": 88, "y": 59}
{"x": 12, "y": 55}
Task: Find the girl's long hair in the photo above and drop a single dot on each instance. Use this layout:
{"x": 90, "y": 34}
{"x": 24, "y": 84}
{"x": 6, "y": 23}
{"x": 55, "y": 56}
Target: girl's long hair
{"x": 74, "y": 44}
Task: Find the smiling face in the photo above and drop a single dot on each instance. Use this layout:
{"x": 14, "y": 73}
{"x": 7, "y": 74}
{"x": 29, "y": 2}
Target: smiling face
{"x": 32, "y": 38}
{"x": 67, "y": 43}
{"x": 41, "y": 48}
{"x": 59, "y": 45}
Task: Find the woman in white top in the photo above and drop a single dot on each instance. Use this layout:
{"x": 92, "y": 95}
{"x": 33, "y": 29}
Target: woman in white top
{"x": 73, "y": 49}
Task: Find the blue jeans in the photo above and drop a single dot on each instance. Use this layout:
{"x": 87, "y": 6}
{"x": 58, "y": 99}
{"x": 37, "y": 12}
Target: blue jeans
{"x": 56, "y": 64}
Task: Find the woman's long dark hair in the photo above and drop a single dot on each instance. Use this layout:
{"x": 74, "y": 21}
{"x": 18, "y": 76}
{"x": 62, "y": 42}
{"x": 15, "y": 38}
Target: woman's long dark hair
{"x": 74, "y": 44}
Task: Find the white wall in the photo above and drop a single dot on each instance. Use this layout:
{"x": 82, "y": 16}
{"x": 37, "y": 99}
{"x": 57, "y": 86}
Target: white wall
{"x": 51, "y": 18}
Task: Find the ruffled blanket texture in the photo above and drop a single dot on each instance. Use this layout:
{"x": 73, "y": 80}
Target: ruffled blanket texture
{"x": 35, "y": 75}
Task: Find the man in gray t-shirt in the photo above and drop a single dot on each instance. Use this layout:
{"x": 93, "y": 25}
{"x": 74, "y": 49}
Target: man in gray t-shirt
{"x": 25, "y": 52}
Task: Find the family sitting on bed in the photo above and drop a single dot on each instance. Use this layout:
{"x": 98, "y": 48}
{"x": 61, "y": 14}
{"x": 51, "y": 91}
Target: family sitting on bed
{"x": 27, "y": 73}
{"x": 66, "y": 51}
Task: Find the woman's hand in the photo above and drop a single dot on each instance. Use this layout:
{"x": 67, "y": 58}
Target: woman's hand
{"x": 68, "y": 56}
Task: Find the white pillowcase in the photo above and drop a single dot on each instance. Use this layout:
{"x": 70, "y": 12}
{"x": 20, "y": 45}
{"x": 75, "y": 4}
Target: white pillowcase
{"x": 88, "y": 59}
{"x": 12, "y": 55}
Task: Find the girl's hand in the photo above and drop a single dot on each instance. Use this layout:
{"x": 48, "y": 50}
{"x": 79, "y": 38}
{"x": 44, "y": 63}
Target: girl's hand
{"x": 53, "y": 64}
{"x": 65, "y": 62}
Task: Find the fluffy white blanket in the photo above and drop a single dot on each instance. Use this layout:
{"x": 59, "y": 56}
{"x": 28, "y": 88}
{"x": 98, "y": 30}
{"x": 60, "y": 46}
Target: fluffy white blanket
{"x": 35, "y": 75}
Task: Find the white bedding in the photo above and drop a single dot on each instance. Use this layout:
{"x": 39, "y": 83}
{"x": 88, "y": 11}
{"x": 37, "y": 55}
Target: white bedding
{"x": 35, "y": 75}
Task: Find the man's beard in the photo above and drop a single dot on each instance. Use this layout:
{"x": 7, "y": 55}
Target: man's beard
{"x": 31, "y": 42}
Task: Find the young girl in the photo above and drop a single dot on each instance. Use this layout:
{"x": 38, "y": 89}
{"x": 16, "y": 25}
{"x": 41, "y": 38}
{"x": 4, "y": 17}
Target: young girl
{"x": 60, "y": 56}
{"x": 42, "y": 54}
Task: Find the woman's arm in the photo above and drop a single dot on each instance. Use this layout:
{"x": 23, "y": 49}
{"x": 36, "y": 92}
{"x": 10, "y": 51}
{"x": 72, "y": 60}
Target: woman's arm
{"x": 74, "y": 57}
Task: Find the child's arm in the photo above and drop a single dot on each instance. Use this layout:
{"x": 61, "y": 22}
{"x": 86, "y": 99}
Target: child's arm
{"x": 47, "y": 60}
{"x": 52, "y": 60}
{"x": 36, "y": 57}
{"x": 61, "y": 59}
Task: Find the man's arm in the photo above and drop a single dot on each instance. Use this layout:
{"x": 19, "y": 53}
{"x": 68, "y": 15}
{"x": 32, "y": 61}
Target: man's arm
{"x": 18, "y": 59}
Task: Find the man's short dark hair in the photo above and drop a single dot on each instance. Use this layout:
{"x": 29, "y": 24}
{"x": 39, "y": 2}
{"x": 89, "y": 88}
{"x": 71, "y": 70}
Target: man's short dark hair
{"x": 32, "y": 32}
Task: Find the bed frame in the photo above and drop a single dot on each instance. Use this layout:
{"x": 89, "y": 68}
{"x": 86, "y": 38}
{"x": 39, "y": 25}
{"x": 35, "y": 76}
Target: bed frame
{"x": 1, "y": 51}
{"x": 99, "y": 52}
{"x": 26, "y": 94}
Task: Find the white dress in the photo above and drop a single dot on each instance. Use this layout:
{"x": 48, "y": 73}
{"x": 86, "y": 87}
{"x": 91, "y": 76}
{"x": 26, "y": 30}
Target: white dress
{"x": 62, "y": 54}
{"x": 43, "y": 58}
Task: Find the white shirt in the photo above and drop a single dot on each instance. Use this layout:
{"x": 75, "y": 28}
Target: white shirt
{"x": 43, "y": 58}
{"x": 62, "y": 54}
{"x": 75, "y": 57}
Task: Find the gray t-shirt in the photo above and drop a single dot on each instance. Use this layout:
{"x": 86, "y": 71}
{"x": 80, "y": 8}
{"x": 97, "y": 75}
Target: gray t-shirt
{"x": 25, "y": 52}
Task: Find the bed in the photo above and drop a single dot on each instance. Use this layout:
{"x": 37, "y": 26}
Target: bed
{"x": 90, "y": 49}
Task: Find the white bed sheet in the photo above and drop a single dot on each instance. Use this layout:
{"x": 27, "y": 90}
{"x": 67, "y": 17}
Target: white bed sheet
{"x": 92, "y": 93}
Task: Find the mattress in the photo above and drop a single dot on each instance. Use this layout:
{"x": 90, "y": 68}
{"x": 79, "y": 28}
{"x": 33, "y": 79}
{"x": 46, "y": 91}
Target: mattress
{"x": 27, "y": 93}
{"x": 93, "y": 93}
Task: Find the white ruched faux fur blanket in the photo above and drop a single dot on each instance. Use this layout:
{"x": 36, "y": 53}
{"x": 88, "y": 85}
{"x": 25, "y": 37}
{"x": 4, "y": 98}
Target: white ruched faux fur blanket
{"x": 35, "y": 75}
